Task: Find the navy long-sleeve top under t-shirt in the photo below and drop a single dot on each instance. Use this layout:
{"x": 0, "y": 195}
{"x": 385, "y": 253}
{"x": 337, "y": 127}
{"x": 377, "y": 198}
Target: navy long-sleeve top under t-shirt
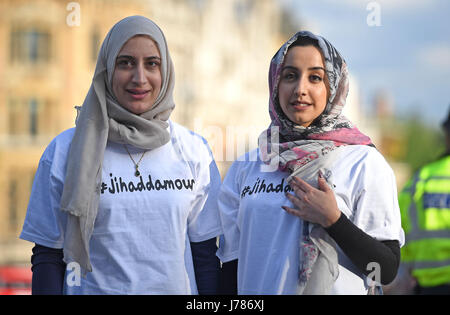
{"x": 49, "y": 269}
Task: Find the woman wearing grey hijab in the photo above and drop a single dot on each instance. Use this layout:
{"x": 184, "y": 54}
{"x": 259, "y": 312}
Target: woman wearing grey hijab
{"x": 124, "y": 202}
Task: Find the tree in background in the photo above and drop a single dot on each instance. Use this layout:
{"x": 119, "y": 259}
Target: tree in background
{"x": 422, "y": 143}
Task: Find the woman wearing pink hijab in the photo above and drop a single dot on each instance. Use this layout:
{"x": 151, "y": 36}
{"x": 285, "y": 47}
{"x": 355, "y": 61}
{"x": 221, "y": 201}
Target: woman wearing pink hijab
{"x": 316, "y": 211}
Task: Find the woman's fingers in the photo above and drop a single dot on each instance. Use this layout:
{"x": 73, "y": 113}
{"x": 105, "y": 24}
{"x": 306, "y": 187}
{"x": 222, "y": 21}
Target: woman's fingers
{"x": 300, "y": 183}
{"x": 295, "y": 200}
{"x": 299, "y": 193}
{"x": 292, "y": 211}
{"x": 322, "y": 183}
{"x": 312, "y": 204}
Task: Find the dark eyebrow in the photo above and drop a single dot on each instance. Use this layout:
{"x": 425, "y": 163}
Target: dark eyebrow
{"x": 153, "y": 57}
{"x": 125, "y": 57}
{"x": 132, "y": 58}
{"x": 294, "y": 68}
{"x": 317, "y": 68}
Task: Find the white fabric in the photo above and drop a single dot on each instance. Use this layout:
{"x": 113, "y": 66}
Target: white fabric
{"x": 140, "y": 243}
{"x": 264, "y": 238}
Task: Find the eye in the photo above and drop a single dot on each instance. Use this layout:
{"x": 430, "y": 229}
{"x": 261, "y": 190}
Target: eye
{"x": 153, "y": 63}
{"x": 124, "y": 63}
{"x": 315, "y": 78}
{"x": 289, "y": 76}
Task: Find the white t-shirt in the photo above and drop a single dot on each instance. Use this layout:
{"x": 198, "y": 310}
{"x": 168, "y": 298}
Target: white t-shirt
{"x": 142, "y": 233}
{"x": 265, "y": 239}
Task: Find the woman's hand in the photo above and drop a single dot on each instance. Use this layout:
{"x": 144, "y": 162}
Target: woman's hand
{"x": 313, "y": 205}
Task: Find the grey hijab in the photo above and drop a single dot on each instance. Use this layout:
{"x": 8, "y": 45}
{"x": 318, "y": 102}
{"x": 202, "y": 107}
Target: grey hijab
{"x": 101, "y": 119}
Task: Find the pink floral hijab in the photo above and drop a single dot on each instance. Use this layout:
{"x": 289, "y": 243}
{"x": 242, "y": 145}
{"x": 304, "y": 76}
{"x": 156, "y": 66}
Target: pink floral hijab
{"x": 330, "y": 126}
{"x": 304, "y": 151}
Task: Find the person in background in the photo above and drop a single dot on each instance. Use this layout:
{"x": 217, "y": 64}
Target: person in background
{"x": 425, "y": 209}
{"x": 314, "y": 209}
{"x": 128, "y": 197}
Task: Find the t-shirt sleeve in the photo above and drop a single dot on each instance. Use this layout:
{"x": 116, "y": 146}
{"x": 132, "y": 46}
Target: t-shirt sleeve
{"x": 377, "y": 211}
{"x": 203, "y": 220}
{"x": 44, "y": 222}
{"x": 228, "y": 202}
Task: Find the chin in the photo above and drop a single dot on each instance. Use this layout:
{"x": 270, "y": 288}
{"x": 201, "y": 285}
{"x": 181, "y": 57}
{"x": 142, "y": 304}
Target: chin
{"x": 303, "y": 122}
{"x": 297, "y": 120}
{"x": 138, "y": 108}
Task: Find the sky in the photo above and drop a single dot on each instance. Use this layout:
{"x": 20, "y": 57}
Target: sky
{"x": 401, "y": 47}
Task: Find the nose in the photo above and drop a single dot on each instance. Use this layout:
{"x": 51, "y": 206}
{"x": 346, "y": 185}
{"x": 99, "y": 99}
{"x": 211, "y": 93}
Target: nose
{"x": 301, "y": 87}
{"x": 139, "y": 77}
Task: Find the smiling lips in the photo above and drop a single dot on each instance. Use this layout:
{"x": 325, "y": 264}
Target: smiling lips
{"x": 138, "y": 94}
{"x": 299, "y": 106}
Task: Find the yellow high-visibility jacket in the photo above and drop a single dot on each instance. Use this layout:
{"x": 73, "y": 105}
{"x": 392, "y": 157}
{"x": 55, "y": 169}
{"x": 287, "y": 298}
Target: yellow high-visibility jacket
{"x": 425, "y": 213}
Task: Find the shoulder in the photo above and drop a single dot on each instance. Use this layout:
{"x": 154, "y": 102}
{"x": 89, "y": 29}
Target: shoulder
{"x": 181, "y": 131}
{"x": 440, "y": 167}
{"x": 364, "y": 156}
{"x": 246, "y": 163}
{"x": 54, "y": 158}
{"x": 360, "y": 152}
{"x": 190, "y": 145}
{"x": 248, "y": 159}
{"x": 189, "y": 137}
{"x": 363, "y": 164}
{"x": 59, "y": 146}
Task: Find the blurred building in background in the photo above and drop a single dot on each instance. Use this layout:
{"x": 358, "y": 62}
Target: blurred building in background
{"x": 221, "y": 51}
{"x": 46, "y": 68}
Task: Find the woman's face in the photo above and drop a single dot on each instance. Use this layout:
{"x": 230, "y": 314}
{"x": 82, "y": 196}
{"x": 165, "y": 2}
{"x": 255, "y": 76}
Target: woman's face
{"x": 303, "y": 90}
{"x": 136, "y": 80}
